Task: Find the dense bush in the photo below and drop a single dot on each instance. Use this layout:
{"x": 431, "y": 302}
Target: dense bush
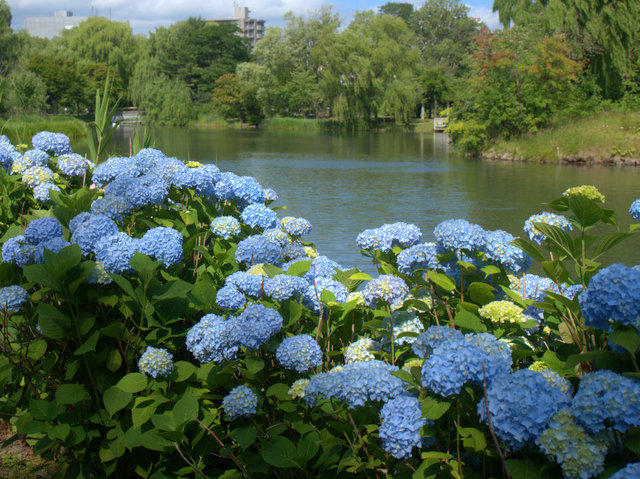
{"x": 150, "y": 331}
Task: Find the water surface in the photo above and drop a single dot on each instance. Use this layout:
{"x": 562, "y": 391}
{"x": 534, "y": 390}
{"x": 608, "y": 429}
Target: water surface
{"x": 344, "y": 183}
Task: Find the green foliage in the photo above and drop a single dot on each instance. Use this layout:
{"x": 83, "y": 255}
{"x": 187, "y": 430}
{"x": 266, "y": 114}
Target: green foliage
{"x": 100, "y": 130}
{"x": 227, "y": 97}
{"x": 402, "y": 10}
{"x": 26, "y": 93}
{"x": 65, "y": 86}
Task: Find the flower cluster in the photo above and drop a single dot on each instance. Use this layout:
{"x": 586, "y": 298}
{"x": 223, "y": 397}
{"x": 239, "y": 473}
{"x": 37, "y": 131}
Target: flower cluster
{"x": 258, "y": 249}
{"x": 297, "y": 388}
{"x": 387, "y": 236}
{"x": 588, "y": 191}
{"x": 503, "y": 312}
{"x": 401, "y": 421}
{"x": 386, "y": 288}
{"x": 553, "y": 377}
{"x": 498, "y": 248}
{"x": 433, "y": 337}
{"x": 631, "y": 471}
{"x": 12, "y": 298}
{"x": 73, "y": 164}
{"x": 546, "y": 218}
{"x": 229, "y": 297}
{"x": 282, "y": 287}
{"x": 613, "y": 294}
{"x": 580, "y": 455}
{"x": 452, "y": 235}
{"x": 520, "y": 406}
{"x": 299, "y": 353}
{"x": 634, "y": 210}
{"x": 606, "y": 399}
{"x": 259, "y": 216}
{"x": 404, "y": 323}
{"x": 42, "y": 191}
{"x": 156, "y": 362}
{"x": 240, "y": 402}
{"x": 37, "y": 175}
{"x": 360, "y": 350}
{"x": 226, "y": 227}
{"x": 163, "y": 244}
{"x": 55, "y": 144}
{"x": 312, "y": 296}
{"x": 356, "y": 383}
{"x": 418, "y": 257}
{"x": 41, "y": 234}
{"x": 295, "y": 226}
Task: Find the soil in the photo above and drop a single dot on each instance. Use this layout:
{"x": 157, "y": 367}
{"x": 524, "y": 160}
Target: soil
{"x": 17, "y": 460}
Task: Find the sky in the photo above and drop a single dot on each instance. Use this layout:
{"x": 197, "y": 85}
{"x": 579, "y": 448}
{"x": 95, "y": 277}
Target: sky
{"x": 145, "y": 15}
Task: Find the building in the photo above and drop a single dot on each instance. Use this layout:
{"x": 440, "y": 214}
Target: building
{"x": 49, "y": 27}
{"x": 249, "y": 27}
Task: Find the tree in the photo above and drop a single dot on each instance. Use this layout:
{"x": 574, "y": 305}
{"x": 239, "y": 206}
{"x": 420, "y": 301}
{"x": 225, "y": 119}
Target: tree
{"x": 197, "y": 53}
{"x": 227, "y": 97}
{"x": 65, "y": 86}
{"x": 402, "y": 10}
{"x": 8, "y": 41}
{"x": 26, "y": 92}
{"x": 373, "y": 71}
{"x": 99, "y": 40}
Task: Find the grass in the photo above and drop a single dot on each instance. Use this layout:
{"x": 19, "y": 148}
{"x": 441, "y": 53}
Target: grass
{"x": 20, "y": 129}
{"x": 600, "y": 136}
{"x": 17, "y": 460}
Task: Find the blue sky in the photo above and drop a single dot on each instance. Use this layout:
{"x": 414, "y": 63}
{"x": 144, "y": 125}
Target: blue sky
{"x": 145, "y": 15}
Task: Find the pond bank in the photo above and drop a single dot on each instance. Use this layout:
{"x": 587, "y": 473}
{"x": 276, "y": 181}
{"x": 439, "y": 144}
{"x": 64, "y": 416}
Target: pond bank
{"x": 608, "y": 137}
{"x": 20, "y": 129}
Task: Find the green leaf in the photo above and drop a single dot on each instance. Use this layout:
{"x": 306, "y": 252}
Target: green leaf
{"x": 115, "y": 399}
{"x": 626, "y": 337}
{"x": 405, "y": 376}
{"x": 466, "y": 320}
{"x": 441, "y": 280}
{"x": 89, "y": 345}
{"x": 299, "y": 268}
{"x": 610, "y": 241}
{"x": 39, "y": 274}
{"x": 59, "y": 432}
{"x": 185, "y": 409}
{"x": 433, "y": 408}
{"x": 586, "y": 211}
{"x": 558, "y": 237}
{"x": 53, "y": 323}
{"x": 529, "y": 248}
{"x": 280, "y": 452}
{"x": 279, "y": 390}
{"x": 114, "y": 360}
{"x": 481, "y": 293}
{"x": 472, "y": 438}
{"x": 37, "y": 349}
{"x": 173, "y": 289}
{"x": 253, "y": 367}
{"x": 244, "y": 436}
{"x": 360, "y": 277}
{"x": 308, "y": 446}
{"x": 524, "y": 469}
{"x": 71, "y": 394}
{"x": 183, "y": 370}
{"x": 602, "y": 359}
{"x": 132, "y": 383}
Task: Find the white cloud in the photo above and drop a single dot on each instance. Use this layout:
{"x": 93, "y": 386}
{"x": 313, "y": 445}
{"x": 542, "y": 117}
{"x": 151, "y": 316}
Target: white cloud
{"x": 486, "y": 15}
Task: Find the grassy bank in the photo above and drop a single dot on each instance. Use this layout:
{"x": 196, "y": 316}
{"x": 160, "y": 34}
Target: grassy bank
{"x": 20, "y": 129}
{"x": 601, "y": 136}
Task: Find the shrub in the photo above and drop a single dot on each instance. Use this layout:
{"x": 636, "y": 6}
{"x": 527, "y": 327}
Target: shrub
{"x": 123, "y": 357}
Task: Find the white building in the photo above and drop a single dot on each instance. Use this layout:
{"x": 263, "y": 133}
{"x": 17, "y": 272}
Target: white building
{"x": 49, "y": 27}
{"x": 249, "y": 28}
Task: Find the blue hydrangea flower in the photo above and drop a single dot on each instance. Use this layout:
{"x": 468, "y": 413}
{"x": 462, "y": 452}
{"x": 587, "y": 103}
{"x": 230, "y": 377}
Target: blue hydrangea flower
{"x": 12, "y": 298}
{"x": 213, "y": 339}
{"x": 606, "y": 399}
{"x": 613, "y": 294}
{"x": 171, "y": 170}
{"x": 293, "y": 250}
{"x": 225, "y": 226}
{"x": 259, "y": 216}
{"x": 546, "y": 218}
{"x": 631, "y": 471}
{"x": 17, "y": 250}
{"x": 458, "y": 234}
{"x": 163, "y": 244}
{"x": 42, "y": 191}
{"x": 9, "y": 155}
{"x": 146, "y": 190}
{"x": 156, "y": 362}
{"x": 251, "y": 284}
{"x": 404, "y": 322}
{"x": 420, "y": 256}
{"x": 99, "y": 275}
{"x": 278, "y": 236}
{"x": 387, "y": 236}
{"x": 498, "y": 248}
{"x": 37, "y": 175}
{"x": 78, "y": 220}
{"x": 401, "y": 421}
{"x": 295, "y": 226}
{"x": 113, "y": 207}
{"x": 258, "y": 324}
{"x": 313, "y": 294}
{"x": 20, "y": 163}
{"x": 299, "y": 353}
{"x": 54, "y": 244}
{"x": 94, "y": 227}
{"x": 361, "y": 350}
{"x": 37, "y": 157}
{"x": 54, "y": 143}
{"x": 202, "y": 179}
{"x": 42, "y": 229}
{"x": 580, "y": 455}
{"x": 240, "y": 402}
{"x": 229, "y": 297}
{"x": 425, "y": 343}
{"x": 356, "y": 383}
{"x": 270, "y": 195}
{"x": 116, "y": 251}
{"x": 148, "y": 158}
{"x": 247, "y": 190}
{"x": 282, "y": 287}
{"x": 521, "y": 405}
{"x": 386, "y": 288}
{"x": 258, "y": 249}
{"x": 634, "y": 210}
{"x": 321, "y": 267}
{"x": 114, "y": 168}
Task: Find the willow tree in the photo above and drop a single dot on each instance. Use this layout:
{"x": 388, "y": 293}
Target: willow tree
{"x": 373, "y": 71}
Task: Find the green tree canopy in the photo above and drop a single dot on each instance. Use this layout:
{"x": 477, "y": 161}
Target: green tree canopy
{"x": 402, "y": 10}
{"x": 197, "y": 53}
{"x": 8, "y": 41}
{"x": 65, "y": 86}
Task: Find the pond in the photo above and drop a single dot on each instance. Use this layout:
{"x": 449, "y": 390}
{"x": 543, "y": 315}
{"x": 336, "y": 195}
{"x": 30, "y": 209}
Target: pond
{"x": 344, "y": 183}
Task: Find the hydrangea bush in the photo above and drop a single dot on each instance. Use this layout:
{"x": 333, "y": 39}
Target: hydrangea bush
{"x": 160, "y": 320}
